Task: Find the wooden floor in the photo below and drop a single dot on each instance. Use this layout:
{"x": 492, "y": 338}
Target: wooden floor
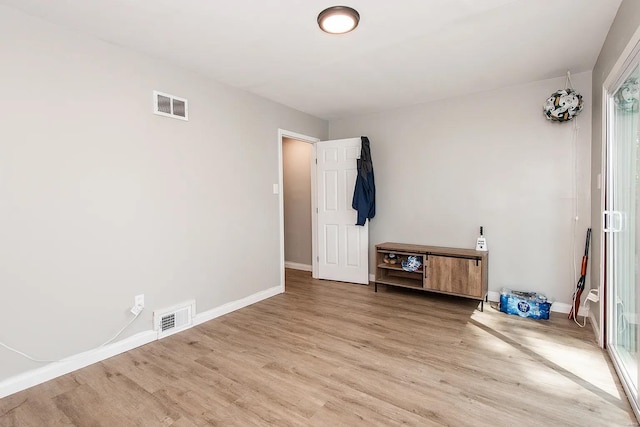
{"x": 330, "y": 354}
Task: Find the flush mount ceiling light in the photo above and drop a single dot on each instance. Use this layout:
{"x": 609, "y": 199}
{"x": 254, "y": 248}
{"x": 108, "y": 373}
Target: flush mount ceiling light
{"x": 338, "y": 19}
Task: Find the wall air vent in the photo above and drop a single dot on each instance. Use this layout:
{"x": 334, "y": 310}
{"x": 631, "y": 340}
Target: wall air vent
{"x": 170, "y": 106}
{"x": 174, "y": 319}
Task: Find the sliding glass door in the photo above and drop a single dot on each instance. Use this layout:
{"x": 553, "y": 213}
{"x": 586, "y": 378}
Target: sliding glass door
{"x": 621, "y": 224}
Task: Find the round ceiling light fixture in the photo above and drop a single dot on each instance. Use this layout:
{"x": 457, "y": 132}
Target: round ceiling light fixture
{"x": 338, "y": 19}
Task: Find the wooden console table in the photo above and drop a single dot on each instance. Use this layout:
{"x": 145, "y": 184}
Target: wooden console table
{"x": 453, "y": 271}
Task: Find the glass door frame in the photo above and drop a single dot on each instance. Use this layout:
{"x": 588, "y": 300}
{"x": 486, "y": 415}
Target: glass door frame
{"x": 608, "y": 250}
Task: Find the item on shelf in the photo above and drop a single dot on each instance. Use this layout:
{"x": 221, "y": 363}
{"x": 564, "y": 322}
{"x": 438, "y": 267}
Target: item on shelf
{"x": 412, "y": 263}
{"x": 481, "y": 243}
{"x": 390, "y": 259}
{"x": 524, "y": 304}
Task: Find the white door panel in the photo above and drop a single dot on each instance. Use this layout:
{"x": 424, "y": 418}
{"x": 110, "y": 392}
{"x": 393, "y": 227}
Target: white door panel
{"x": 621, "y": 225}
{"x": 342, "y": 245}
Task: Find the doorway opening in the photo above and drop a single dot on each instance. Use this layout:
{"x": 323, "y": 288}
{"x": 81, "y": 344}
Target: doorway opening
{"x": 339, "y": 247}
{"x": 296, "y": 158}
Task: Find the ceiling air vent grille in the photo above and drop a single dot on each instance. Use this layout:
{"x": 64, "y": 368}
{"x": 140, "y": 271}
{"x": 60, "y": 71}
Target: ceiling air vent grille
{"x": 174, "y": 319}
{"x": 170, "y": 106}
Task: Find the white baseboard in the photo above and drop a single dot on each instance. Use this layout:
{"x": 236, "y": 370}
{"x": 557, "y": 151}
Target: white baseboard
{"x": 297, "y": 266}
{"x": 560, "y": 307}
{"x": 72, "y": 363}
{"x": 557, "y": 307}
{"x": 595, "y": 326}
{"x": 493, "y": 296}
{"x": 236, "y": 305}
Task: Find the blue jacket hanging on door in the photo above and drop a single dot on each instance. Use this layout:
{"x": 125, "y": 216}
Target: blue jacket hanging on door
{"x": 364, "y": 195}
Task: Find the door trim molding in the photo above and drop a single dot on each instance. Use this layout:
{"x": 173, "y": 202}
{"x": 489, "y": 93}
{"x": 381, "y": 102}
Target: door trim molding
{"x": 283, "y": 133}
{"x": 602, "y": 288}
{"x": 623, "y": 61}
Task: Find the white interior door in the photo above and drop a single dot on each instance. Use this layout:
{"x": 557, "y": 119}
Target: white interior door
{"x": 343, "y": 247}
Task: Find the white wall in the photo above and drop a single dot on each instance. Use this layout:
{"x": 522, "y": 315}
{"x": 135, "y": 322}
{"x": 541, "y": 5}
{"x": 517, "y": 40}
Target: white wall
{"x": 101, "y": 200}
{"x": 444, "y": 169}
{"x": 625, "y": 24}
{"x": 296, "y": 180}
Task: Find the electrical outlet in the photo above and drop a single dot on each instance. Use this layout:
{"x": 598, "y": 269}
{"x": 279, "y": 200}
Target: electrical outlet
{"x": 139, "y": 301}
{"x": 593, "y": 295}
{"x": 138, "y": 304}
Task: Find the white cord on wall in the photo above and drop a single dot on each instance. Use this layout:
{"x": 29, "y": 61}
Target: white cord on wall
{"x": 109, "y": 341}
{"x": 576, "y": 199}
{"x": 35, "y": 359}
{"x": 26, "y": 355}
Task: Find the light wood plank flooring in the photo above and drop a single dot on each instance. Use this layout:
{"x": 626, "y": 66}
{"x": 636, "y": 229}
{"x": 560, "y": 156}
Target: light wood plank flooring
{"x": 337, "y": 354}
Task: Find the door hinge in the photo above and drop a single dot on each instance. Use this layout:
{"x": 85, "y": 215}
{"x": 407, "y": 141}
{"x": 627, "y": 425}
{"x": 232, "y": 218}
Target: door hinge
{"x": 318, "y": 258}
{"x": 316, "y": 160}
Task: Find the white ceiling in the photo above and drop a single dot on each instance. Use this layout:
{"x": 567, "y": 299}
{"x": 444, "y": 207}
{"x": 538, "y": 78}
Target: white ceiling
{"x": 404, "y": 52}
